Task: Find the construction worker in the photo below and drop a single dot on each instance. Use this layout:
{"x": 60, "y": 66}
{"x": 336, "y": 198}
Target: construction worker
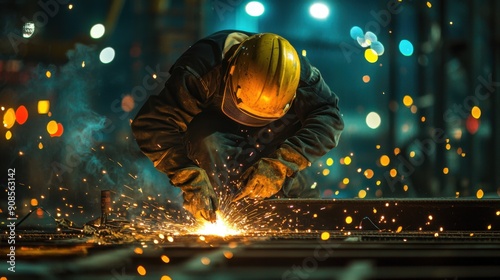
{"x": 241, "y": 113}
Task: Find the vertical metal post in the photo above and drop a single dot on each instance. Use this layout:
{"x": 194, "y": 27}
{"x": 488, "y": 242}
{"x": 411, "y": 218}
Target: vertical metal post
{"x": 105, "y": 205}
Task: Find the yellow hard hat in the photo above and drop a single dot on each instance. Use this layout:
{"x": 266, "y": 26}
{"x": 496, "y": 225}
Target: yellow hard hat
{"x": 262, "y": 78}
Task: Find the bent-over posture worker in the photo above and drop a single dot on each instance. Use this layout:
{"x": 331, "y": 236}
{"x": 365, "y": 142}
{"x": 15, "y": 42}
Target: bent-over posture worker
{"x": 243, "y": 113}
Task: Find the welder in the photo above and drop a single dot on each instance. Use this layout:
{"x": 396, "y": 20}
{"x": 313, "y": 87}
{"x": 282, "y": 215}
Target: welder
{"x": 242, "y": 113}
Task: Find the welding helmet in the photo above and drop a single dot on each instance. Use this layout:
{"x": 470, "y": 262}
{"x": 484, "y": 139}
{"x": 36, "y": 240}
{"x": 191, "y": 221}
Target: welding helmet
{"x": 261, "y": 80}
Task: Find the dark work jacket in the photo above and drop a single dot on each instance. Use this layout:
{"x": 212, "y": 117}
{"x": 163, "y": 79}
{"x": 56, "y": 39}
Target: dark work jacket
{"x": 196, "y": 85}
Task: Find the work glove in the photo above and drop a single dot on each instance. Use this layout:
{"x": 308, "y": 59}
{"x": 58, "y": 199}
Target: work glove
{"x": 199, "y": 196}
{"x": 266, "y": 177}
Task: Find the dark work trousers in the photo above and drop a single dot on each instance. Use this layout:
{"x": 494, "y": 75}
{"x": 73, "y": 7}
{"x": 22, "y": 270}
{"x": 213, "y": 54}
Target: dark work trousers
{"x": 225, "y": 149}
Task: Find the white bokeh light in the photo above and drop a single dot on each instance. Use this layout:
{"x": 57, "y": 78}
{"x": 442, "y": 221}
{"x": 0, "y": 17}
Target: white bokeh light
{"x": 97, "y": 31}
{"x": 373, "y": 120}
{"x": 107, "y": 55}
{"x": 254, "y": 8}
{"x": 319, "y": 11}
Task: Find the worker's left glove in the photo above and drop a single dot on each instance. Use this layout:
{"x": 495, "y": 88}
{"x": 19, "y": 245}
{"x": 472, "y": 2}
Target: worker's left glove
{"x": 266, "y": 177}
{"x": 199, "y": 195}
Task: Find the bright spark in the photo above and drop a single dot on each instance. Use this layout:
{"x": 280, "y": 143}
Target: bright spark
{"x": 220, "y": 228}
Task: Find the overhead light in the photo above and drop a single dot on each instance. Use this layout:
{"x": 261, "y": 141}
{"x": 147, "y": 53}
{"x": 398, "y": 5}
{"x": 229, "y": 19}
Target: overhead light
{"x": 254, "y": 8}
{"x": 107, "y": 55}
{"x": 319, "y": 11}
{"x": 97, "y": 31}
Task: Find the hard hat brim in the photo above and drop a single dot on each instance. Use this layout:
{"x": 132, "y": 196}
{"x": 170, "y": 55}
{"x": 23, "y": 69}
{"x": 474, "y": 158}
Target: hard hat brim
{"x": 230, "y": 109}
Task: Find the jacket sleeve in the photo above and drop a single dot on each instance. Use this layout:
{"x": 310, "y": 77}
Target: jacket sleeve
{"x": 317, "y": 108}
{"x": 160, "y": 125}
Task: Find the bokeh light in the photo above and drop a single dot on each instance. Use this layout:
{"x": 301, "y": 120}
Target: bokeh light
{"x": 370, "y": 37}
{"x": 325, "y": 235}
{"x": 97, "y": 31}
{"x": 28, "y": 29}
{"x": 373, "y": 120}
{"x": 407, "y": 101}
{"x": 52, "y": 127}
{"x": 369, "y": 173}
{"x": 254, "y": 8}
{"x": 8, "y": 135}
{"x": 43, "y": 106}
{"x": 384, "y": 160}
{"x": 475, "y": 112}
{"x": 348, "y": 220}
{"x": 59, "y": 132}
{"x": 472, "y": 124}
{"x": 378, "y": 48}
{"x": 406, "y": 47}
{"x": 107, "y": 55}
{"x": 371, "y": 56}
{"x": 366, "y": 78}
{"x": 329, "y": 161}
{"x": 362, "y": 194}
{"x": 21, "y": 114}
{"x": 319, "y": 11}
{"x": 356, "y": 32}
{"x": 128, "y": 103}
{"x": 141, "y": 270}
{"x": 9, "y": 118}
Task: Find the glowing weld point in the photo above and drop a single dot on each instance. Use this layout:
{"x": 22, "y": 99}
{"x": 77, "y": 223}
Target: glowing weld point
{"x": 220, "y": 228}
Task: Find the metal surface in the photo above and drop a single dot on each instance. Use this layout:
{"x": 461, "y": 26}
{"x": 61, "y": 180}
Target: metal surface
{"x": 302, "y": 247}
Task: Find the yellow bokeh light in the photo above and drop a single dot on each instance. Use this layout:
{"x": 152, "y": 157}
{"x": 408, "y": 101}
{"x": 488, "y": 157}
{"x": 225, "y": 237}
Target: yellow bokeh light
{"x": 48, "y": 74}
{"x": 475, "y": 112}
{"x": 393, "y": 172}
{"x": 141, "y": 270}
{"x": 479, "y": 193}
{"x": 329, "y": 161}
{"x": 165, "y": 277}
{"x": 405, "y": 188}
{"x": 448, "y": 146}
{"x": 52, "y": 127}
{"x": 34, "y": 202}
{"x": 325, "y": 235}
{"x": 165, "y": 259}
{"x": 8, "y": 135}
{"x": 348, "y": 220}
{"x": 397, "y": 151}
{"x": 446, "y": 170}
{"x": 40, "y": 145}
{"x": 400, "y": 228}
{"x": 228, "y": 254}
{"x": 205, "y": 261}
{"x": 362, "y": 194}
{"x": 369, "y": 173}
{"x": 407, "y": 101}
{"x": 429, "y": 4}
{"x": 347, "y": 160}
{"x": 378, "y": 182}
{"x": 345, "y": 181}
{"x": 412, "y": 154}
{"x": 422, "y": 119}
{"x": 9, "y": 118}
{"x": 325, "y": 172}
{"x": 138, "y": 251}
{"x": 43, "y": 106}
{"x": 384, "y": 160}
{"x": 371, "y": 55}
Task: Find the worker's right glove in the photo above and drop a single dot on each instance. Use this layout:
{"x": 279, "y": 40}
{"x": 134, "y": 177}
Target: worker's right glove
{"x": 199, "y": 195}
{"x": 266, "y": 177}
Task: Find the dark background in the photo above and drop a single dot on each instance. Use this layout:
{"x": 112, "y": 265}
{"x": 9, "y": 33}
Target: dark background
{"x": 454, "y": 67}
